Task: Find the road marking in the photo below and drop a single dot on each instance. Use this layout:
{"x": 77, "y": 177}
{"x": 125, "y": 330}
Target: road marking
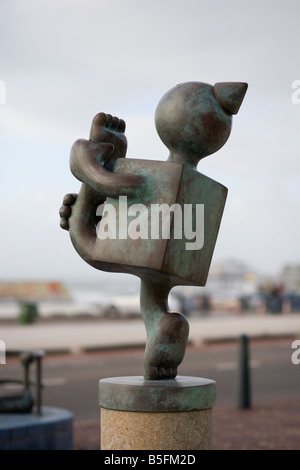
{"x": 11, "y": 386}
{"x": 53, "y": 381}
{"x": 233, "y": 365}
{"x": 49, "y": 382}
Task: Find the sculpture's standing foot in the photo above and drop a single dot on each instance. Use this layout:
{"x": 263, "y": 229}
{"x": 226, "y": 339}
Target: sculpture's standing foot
{"x": 166, "y": 346}
{"x": 167, "y": 333}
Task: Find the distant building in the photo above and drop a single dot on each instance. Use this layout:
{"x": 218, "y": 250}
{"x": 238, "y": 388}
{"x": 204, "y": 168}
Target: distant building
{"x": 290, "y": 278}
{"x": 33, "y": 290}
{"x": 231, "y": 285}
{"x": 232, "y": 278}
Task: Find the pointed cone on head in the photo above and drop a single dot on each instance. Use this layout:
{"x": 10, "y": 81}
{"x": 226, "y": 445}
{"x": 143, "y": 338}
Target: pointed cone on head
{"x": 230, "y": 95}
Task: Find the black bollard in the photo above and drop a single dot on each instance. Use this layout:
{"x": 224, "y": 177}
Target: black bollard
{"x": 38, "y": 356}
{"x": 244, "y": 399}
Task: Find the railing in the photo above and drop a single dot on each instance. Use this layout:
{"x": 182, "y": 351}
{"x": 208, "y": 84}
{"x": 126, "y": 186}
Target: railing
{"x": 24, "y": 401}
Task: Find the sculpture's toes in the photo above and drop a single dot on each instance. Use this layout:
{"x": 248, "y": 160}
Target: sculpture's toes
{"x": 160, "y": 373}
{"x": 70, "y": 199}
{"x": 65, "y": 210}
{"x": 167, "y": 373}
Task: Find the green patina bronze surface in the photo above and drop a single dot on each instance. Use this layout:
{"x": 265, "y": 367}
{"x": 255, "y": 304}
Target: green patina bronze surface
{"x": 167, "y": 183}
{"x": 193, "y": 120}
{"x": 139, "y": 395}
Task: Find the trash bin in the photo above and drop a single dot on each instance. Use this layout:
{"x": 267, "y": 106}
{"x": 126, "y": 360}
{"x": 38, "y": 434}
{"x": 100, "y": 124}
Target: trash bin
{"x": 28, "y": 312}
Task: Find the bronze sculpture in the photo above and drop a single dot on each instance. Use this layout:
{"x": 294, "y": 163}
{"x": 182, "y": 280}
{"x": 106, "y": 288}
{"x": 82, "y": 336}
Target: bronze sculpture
{"x": 193, "y": 120}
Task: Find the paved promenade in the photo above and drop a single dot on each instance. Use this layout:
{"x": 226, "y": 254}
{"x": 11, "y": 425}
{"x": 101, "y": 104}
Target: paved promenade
{"x": 275, "y": 425}
{"x": 78, "y": 335}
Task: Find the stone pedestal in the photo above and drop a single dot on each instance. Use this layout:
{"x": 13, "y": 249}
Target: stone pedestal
{"x": 138, "y": 414}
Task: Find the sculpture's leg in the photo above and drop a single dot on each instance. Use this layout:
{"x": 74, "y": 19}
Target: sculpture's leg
{"x": 167, "y": 332}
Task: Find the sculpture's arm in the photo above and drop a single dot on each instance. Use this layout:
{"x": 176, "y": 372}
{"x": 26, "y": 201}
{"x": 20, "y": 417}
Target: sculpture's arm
{"x": 87, "y": 162}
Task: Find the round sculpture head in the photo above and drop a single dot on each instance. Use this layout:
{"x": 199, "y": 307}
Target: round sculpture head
{"x": 194, "y": 119}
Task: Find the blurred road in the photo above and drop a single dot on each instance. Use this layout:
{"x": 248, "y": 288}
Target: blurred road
{"x": 71, "y": 381}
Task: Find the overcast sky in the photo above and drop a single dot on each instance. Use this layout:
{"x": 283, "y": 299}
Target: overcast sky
{"x": 62, "y": 61}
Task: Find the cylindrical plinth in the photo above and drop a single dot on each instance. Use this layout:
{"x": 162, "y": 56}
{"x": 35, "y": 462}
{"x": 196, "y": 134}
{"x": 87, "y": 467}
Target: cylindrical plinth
{"x": 138, "y": 414}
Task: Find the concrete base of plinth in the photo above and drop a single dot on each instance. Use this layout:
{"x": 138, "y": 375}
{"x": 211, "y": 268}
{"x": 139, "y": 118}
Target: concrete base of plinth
{"x": 138, "y": 414}
{"x": 126, "y": 430}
